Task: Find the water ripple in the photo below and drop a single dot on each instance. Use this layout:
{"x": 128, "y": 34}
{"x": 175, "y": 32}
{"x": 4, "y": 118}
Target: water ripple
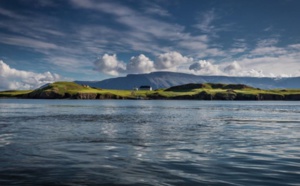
{"x": 67, "y": 142}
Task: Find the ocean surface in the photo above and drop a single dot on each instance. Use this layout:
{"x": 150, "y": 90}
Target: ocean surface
{"x": 141, "y": 142}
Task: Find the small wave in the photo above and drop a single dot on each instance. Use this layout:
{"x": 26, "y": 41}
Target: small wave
{"x": 261, "y": 121}
{"x": 5, "y": 139}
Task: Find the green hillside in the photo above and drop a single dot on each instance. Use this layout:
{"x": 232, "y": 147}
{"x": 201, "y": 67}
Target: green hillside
{"x": 205, "y": 91}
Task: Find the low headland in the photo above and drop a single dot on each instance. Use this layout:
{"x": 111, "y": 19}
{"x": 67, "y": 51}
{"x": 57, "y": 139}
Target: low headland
{"x": 193, "y": 91}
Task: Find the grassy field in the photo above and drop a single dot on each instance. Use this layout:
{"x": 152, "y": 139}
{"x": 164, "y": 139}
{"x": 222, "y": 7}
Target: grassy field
{"x": 219, "y": 91}
{"x": 14, "y": 93}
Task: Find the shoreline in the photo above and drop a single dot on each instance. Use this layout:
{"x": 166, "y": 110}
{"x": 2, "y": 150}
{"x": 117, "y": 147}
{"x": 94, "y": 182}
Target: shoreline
{"x": 206, "y": 91}
{"x": 149, "y": 99}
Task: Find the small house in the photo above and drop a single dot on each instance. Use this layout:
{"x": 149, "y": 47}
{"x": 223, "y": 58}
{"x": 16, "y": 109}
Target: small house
{"x": 145, "y": 87}
{"x": 86, "y": 86}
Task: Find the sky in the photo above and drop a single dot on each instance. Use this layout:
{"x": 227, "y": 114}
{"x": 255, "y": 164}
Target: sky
{"x": 42, "y": 41}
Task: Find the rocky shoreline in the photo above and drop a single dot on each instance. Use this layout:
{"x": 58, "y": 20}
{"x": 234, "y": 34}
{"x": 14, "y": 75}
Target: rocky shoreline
{"x": 201, "y": 96}
{"x": 192, "y": 91}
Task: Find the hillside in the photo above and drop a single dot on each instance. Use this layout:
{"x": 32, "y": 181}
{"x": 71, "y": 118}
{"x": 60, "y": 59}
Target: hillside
{"x": 168, "y": 79}
{"x": 60, "y": 90}
{"x": 191, "y": 91}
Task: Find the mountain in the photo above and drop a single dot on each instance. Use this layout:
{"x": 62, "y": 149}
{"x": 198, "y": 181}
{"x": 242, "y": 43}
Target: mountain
{"x": 168, "y": 79}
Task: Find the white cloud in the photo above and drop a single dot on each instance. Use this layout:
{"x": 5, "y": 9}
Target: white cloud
{"x": 283, "y": 65}
{"x": 235, "y": 69}
{"x": 214, "y": 52}
{"x": 205, "y": 23}
{"x": 237, "y": 50}
{"x": 109, "y": 64}
{"x": 204, "y": 67}
{"x": 232, "y": 68}
{"x": 268, "y": 29}
{"x": 154, "y": 9}
{"x": 142, "y": 31}
{"x": 295, "y": 46}
{"x": 170, "y": 60}
{"x": 145, "y": 33}
{"x": 267, "y": 66}
{"x": 268, "y": 51}
{"x": 196, "y": 43}
{"x": 73, "y": 64}
{"x": 254, "y": 73}
{"x": 10, "y": 14}
{"x": 140, "y": 64}
{"x": 18, "y": 79}
{"x": 267, "y": 42}
{"x": 27, "y": 42}
{"x": 136, "y": 21}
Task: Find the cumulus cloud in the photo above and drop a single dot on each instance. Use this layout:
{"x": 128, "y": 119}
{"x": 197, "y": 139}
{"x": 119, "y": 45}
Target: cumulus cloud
{"x": 18, "y": 79}
{"x": 233, "y": 68}
{"x": 272, "y": 66}
{"x": 170, "y": 60}
{"x": 176, "y": 62}
{"x": 109, "y": 64}
{"x": 140, "y": 64}
{"x": 204, "y": 67}
{"x": 254, "y": 73}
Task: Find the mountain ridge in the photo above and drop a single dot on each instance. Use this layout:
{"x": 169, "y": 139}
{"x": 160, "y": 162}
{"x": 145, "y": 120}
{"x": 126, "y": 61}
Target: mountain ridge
{"x": 167, "y": 79}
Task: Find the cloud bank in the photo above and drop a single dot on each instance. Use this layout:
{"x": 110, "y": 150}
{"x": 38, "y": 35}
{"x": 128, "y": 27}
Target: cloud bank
{"x": 13, "y": 79}
{"x": 170, "y": 61}
{"x": 176, "y": 62}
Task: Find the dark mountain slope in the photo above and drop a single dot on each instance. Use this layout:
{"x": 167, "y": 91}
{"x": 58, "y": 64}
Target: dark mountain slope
{"x": 168, "y": 79}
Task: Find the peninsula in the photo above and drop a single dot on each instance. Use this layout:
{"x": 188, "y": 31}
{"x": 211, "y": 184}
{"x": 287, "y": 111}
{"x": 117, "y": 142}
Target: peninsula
{"x": 193, "y": 91}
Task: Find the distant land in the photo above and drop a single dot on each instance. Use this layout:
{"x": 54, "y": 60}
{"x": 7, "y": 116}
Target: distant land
{"x": 191, "y": 91}
{"x": 159, "y": 80}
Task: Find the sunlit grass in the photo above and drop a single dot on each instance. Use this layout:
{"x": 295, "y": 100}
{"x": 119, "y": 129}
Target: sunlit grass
{"x": 73, "y": 89}
{"x": 14, "y": 93}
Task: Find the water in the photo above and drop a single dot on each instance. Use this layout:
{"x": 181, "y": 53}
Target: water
{"x": 114, "y": 142}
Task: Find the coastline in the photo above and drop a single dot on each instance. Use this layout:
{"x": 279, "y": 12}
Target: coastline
{"x": 207, "y": 91}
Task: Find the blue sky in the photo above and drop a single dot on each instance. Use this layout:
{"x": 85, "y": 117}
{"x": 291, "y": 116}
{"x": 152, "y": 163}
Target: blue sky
{"x": 48, "y": 40}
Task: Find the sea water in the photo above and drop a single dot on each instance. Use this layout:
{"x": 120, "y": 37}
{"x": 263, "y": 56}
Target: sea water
{"x": 149, "y": 142}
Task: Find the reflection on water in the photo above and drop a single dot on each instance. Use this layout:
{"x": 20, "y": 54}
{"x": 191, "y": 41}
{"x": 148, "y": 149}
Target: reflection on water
{"x": 75, "y": 142}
